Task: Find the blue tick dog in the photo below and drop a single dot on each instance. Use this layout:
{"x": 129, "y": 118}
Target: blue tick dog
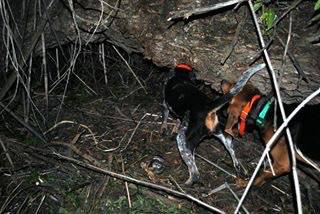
{"x": 199, "y": 116}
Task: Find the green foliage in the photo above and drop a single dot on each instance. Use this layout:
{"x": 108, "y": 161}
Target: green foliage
{"x": 317, "y": 5}
{"x": 257, "y": 5}
{"x": 268, "y": 17}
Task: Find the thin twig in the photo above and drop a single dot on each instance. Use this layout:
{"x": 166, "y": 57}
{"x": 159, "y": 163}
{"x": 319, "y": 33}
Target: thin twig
{"x": 44, "y": 64}
{"x": 215, "y": 165}
{"x": 134, "y": 131}
{"x": 130, "y": 69}
{"x": 235, "y": 40}
{"x": 126, "y": 184}
{"x": 85, "y": 156}
{"x": 186, "y": 14}
{"x": 294, "y": 5}
{"x": 283, "y": 114}
{"x": 72, "y": 122}
{"x": 294, "y": 61}
{"x": 236, "y": 197}
{"x": 7, "y": 153}
{"x": 41, "y": 202}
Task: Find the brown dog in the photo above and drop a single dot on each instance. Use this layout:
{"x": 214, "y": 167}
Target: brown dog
{"x": 246, "y": 109}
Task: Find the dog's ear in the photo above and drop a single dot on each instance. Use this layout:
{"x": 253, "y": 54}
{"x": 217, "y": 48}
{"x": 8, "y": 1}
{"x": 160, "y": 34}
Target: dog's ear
{"x": 236, "y": 88}
{"x": 225, "y": 86}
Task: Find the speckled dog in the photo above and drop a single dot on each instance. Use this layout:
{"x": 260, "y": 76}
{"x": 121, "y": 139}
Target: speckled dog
{"x": 198, "y": 114}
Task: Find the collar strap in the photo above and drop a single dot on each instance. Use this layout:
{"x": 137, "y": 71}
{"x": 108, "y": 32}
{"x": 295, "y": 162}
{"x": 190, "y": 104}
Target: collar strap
{"x": 245, "y": 112}
{"x": 184, "y": 67}
{"x": 262, "y": 115}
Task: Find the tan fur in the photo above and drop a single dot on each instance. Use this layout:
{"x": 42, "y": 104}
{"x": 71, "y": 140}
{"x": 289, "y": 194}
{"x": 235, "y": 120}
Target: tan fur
{"x": 237, "y": 104}
{"x": 211, "y": 121}
{"x": 279, "y": 153}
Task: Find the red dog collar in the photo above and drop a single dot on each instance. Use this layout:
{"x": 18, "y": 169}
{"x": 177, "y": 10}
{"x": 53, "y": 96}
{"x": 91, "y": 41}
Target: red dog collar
{"x": 245, "y": 112}
{"x": 184, "y": 67}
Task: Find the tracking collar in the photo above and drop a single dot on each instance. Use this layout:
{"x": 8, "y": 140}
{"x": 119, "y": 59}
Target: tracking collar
{"x": 245, "y": 112}
{"x": 257, "y": 112}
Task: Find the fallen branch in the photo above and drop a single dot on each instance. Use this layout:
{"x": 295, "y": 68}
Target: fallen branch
{"x": 136, "y": 181}
{"x": 185, "y": 14}
{"x": 294, "y": 61}
{"x": 282, "y": 111}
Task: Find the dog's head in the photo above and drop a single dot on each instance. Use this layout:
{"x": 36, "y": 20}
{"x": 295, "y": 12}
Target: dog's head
{"x": 231, "y": 93}
{"x": 236, "y": 104}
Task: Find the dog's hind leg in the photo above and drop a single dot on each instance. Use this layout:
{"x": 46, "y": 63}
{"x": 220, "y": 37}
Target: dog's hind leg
{"x": 187, "y": 154}
{"x": 227, "y": 142}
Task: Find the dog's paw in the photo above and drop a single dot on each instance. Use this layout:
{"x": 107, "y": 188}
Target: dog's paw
{"x": 241, "y": 183}
{"x": 192, "y": 180}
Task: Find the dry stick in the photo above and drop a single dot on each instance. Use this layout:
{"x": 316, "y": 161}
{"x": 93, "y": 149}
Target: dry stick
{"x": 136, "y": 181}
{"x": 7, "y": 153}
{"x": 215, "y": 165}
{"x": 272, "y": 140}
{"x": 41, "y": 202}
{"x": 294, "y": 5}
{"x": 57, "y": 63}
{"x": 98, "y": 24}
{"x": 84, "y": 83}
{"x": 28, "y": 89}
{"x": 257, "y": 55}
{"x": 104, "y": 64}
{"x": 270, "y": 164}
{"x": 134, "y": 131}
{"x": 294, "y": 61}
{"x": 72, "y": 122}
{"x": 77, "y": 151}
{"x": 283, "y": 114}
{"x": 74, "y": 57}
{"x": 11, "y": 196}
{"x": 34, "y": 132}
{"x": 235, "y": 40}
{"x": 236, "y": 197}
{"x": 44, "y": 64}
{"x": 126, "y": 184}
{"x": 285, "y": 50}
{"x": 130, "y": 69}
{"x": 185, "y": 14}
{"x": 26, "y": 52}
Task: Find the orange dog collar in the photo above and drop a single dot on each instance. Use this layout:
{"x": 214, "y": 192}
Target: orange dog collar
{"x": 245, "y": 112}
{"x": 184, "y": 67}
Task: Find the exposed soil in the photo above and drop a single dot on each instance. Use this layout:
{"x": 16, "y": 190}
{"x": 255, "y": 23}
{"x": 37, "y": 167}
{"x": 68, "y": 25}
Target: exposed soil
{"x": 125, "y": 120}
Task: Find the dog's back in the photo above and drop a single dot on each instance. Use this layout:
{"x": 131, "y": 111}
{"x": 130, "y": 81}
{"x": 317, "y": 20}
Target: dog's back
{"x": 306, "y": 130}
{"x": 182, "y": 94}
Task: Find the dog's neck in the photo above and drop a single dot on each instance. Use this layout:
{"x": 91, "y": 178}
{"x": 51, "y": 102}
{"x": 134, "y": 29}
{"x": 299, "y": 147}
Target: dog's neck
{"x": 260, "y": 112}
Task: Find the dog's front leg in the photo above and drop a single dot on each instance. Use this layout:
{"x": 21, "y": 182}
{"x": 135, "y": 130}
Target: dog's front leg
{"x": 227, "y": 142}
{"x": 187, "y": 155}
{"x": 165, "y": 115}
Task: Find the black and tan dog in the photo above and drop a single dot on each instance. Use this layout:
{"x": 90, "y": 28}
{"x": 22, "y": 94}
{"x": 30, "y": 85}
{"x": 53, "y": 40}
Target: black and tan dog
{"x": 198, "y": 114}
{"x": 250, "y": 110}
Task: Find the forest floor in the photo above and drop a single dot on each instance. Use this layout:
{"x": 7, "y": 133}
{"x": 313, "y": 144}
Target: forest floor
{"x": 119, "y": 130}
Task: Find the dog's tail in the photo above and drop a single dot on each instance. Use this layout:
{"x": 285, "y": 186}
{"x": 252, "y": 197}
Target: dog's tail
{"x": 220, "y": 102}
